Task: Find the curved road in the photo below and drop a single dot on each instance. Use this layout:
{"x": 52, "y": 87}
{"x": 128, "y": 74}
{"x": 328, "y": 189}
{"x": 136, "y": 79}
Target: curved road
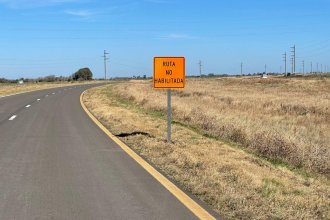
{"x": 55, "y": 163}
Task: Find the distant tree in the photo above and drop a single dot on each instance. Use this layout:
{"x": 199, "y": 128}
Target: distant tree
{"x": 3, "y": 80}
{"x": 50, "y": 78}
{"x": 83, "y": 74}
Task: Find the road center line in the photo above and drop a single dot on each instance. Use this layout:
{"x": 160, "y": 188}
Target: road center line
{"x": 28, "y": 106}
{"x": 53, "y": 93}
{"x": 38, "y": 100}
{"x": 12, "y": 117}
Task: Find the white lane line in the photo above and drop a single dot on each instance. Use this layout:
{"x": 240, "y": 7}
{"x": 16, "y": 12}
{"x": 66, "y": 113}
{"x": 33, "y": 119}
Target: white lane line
{"x": 12, "y": 117}
{"x": 28, "y": 106}
{"x": 46, "y": 95}
{"x": 53, "y": 93}
{"x": 38, "y": 100}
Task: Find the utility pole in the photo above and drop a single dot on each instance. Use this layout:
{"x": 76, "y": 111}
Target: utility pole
{"x": 284, "y": 59}
{"x": 105, "y": 64}
{"x": 311, "y": 67}
{"x": 200, "y": 68}
{"x": 303, "y": 66}
{"x": 291, "y": 65}
{"x": 265, "y": 69}
{"x": 241, "y": 68}
{"x": 317, "y": 68}
{"x": 321, "y": 68}
{"x": 293, "y": 51}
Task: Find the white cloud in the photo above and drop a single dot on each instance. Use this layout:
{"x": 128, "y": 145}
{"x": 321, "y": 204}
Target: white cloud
{"x": 157, "y": 1}
{"x": 79, "y": 13}
{"x": 177, "y": 37}
{"x": 23, "y": 4}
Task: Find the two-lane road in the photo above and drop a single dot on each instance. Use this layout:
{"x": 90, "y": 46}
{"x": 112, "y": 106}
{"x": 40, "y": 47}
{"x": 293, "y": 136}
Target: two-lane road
{"x": 55, "y": 163}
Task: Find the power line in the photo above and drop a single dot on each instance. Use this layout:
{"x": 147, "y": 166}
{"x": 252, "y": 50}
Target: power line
{"x": 316, "y": 46}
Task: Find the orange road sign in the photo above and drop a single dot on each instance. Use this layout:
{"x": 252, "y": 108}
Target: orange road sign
{"x": 169, "y": 72}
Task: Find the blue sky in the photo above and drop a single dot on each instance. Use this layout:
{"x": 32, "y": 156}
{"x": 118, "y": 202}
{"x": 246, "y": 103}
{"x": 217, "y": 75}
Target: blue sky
{"x": 44, "y": 37}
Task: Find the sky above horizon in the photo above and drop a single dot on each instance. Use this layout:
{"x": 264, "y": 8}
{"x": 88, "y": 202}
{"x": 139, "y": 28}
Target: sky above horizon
{"x": 57, "y": 37}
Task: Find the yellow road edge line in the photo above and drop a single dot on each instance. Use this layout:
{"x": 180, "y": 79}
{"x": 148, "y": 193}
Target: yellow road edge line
{"x": 195, "y": 208}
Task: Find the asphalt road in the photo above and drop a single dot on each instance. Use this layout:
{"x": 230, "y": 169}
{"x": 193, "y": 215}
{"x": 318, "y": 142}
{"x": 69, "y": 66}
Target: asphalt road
{"x": 55, "y": 163}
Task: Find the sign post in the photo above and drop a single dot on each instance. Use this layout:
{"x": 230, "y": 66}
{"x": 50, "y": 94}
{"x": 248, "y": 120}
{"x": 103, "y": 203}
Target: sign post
{"x": 169, "y": 115}
{"x": 169, "y": 73}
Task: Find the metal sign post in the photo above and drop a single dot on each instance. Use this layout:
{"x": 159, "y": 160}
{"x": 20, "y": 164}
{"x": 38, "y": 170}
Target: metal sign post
{"x": 169, "y": 73}
{"x": 169, "y": 115}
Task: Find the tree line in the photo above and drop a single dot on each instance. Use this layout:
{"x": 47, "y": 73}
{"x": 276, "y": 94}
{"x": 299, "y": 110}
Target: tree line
{"x": 81, "y": 75}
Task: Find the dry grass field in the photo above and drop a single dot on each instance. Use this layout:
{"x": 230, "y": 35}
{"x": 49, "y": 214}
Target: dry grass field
{"x": 281, "y": 119}
{"x": 11, "y": 88}
{"x": 250, "y": 148}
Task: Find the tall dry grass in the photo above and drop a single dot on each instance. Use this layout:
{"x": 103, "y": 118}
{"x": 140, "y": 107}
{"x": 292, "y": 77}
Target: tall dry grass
{"x": 282, "y": 119}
